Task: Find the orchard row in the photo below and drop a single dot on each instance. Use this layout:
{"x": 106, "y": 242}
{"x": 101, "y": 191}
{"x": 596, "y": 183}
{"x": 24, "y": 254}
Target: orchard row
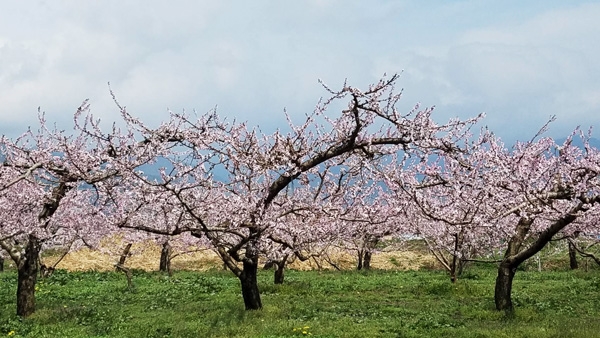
{"x": 349, "y": 178}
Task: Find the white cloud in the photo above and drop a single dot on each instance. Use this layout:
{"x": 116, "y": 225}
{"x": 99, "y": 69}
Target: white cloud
{"x": 253, "y": 58}
{"x": 544, "y": 66}
{"x": 519, "y": 70}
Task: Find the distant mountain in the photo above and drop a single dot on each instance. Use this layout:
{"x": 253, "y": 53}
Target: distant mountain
{"x": 594, "y": 142}
{"x": 152, "y": 170}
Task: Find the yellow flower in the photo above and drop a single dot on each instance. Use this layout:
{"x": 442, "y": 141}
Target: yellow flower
{"x": 11, "y": 333}
{"x": 304, "y": 332}
{"x": 306, "y": 327}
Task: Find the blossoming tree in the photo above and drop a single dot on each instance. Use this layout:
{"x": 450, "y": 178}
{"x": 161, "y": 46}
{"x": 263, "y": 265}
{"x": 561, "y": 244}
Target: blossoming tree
{"x": 518, "y": 199}
{"x": 235, "y": 182}
{"x": 51, "y": 185}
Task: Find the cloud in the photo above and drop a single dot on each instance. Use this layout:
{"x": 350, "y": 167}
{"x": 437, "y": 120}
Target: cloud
{"x": 543, "y": 66}
{"x": 519, "y": 71}
{"x": 519, "y": 63}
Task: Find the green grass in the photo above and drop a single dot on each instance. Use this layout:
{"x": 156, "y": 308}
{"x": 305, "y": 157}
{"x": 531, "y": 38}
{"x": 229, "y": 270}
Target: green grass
{"x": 330, "y": 304}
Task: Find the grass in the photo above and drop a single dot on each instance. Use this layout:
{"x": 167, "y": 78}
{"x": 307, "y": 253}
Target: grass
{"x": 309, "y": 303}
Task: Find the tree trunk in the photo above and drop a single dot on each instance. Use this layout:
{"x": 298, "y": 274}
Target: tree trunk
{"x": 249, "y": 284}
{"x": 366, "y": 252}
{"x": 279, "y": 273}
{"x": 367, "y": 260}
{"x": 1, "y": 264}
{"x": 280, "y": 269}
{"x": 502, "y": 295}
{"x": 453, "y": 270}
{"x": 461, "y": 266}
{"x": 572, "y": 257}
{"x": 508, "y": 267}
{"x": 165, "y": 258}
{"x": 124, "y": 254}
{"x": 359, "y": 265}
{"x": 455, "y": 260}
{"x": 27, "y": 277}
{"x": 515, "y": 254}
{"x": 128, "y": 275}
{"x": 46, "y": 271}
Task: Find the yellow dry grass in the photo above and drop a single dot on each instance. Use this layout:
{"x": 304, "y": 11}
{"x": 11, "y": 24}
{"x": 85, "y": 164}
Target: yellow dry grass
{"x": 143, "y": 256}
{"x": 395, "y": 260}
{"x": 146, "y": 256}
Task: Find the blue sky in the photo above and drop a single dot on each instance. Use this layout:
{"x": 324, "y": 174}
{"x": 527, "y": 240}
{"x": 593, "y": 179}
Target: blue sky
{"x": 517, "y": 61}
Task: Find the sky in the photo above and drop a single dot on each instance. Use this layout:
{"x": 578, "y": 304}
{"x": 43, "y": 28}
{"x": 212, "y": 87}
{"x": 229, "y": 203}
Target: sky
{"x": 520, "y": 62}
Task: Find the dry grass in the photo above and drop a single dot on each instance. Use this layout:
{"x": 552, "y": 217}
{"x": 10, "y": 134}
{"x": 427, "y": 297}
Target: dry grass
{"x": 143, "y": 256}
{"x": 146, "y": 256}
{"x": 396, "y": 260}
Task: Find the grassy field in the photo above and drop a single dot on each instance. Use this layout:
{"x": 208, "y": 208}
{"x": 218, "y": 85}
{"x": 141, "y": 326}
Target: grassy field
{"x": 310, "y": 303}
